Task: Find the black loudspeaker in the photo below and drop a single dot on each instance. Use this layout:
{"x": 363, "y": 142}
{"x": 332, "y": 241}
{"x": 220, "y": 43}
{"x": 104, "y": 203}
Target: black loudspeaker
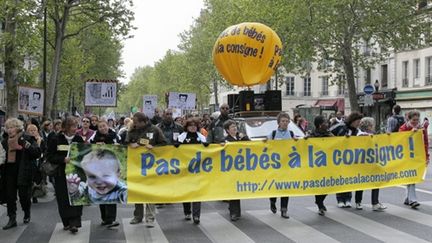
{"x": 234, "y": 102}
{"x": 246, "y": 98}
{"x": 273, "y": 100}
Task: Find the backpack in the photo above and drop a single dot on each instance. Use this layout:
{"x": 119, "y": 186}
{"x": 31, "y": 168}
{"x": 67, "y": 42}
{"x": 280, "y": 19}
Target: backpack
{"x": 274, "y": 134}
{"x": 400, "y": 121}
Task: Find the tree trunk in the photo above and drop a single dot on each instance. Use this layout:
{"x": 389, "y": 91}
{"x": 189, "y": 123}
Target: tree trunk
{"x": 215, "y": 90}
{"x": 350, "y": 79}
{"x": 60, "y": 29}
{"x": 11, "y": 63}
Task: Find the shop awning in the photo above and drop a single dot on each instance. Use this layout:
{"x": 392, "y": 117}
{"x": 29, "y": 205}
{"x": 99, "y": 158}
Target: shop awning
{"x": 326, "y": 103}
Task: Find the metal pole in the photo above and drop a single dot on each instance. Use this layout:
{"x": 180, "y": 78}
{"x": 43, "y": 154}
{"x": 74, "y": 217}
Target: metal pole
{"x": 44, "y": 76}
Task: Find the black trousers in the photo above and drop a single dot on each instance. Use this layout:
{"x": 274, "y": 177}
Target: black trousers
{"x": 11, "y": 185}
{"x": 234, "y": 208}
{"x": 375, "y": 195}
{"x": 283, "y": 202}
{"x": 344, "y": 197}
{"x": 319, "y": 200}
{"x": 196, "y": 208}
{"x": 70, "y": 215}
{"x": 108, "y": 212}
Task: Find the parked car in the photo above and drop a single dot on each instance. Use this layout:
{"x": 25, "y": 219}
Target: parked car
{"x": 258, "y": 125}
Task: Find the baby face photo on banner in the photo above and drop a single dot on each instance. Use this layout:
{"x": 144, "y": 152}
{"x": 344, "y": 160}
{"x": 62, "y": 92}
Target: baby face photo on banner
{"x": 96, "y": 174}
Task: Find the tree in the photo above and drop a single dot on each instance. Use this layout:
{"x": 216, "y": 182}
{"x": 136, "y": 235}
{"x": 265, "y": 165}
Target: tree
{"x": 338, "y": 31}
{"x": 19, "y": 42}
{"x": 84, "y": 14}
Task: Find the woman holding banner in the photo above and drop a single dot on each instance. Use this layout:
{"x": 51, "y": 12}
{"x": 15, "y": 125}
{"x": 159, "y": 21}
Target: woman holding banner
{"x": 282, "y": 132}
{"x": 366, "y": 128}
{"x": 57, "y": 154}
{"x": 105, "y": 135}
{"x": 413, "y": 124}
{"x": 230, "y": 127}
{"x": 320, "y": 131}
{"x": 192, "y": 136}
{"x": 347, "y": 128}
{"x": 143, "y": 133}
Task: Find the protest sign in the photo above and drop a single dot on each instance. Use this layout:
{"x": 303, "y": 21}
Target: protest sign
{"x": 260, "y": 169}
{"x": 96, "y": 174}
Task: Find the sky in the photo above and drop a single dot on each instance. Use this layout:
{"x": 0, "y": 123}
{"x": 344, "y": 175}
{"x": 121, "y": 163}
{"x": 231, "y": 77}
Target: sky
{"x": 159, "y": 24}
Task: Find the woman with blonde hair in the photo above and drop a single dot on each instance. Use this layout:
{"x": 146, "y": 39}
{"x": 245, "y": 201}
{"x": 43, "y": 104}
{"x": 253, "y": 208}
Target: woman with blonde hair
{"x": 21, "y": 150}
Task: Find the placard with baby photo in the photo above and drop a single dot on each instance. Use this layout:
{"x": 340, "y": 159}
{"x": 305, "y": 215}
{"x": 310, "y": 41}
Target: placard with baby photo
{"x": 96, "y": 174}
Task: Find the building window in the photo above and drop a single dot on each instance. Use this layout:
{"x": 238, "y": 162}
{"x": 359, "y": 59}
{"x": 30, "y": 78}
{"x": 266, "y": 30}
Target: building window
{"x": 428, "y": 80}
{"x": 341, "y": 88}
{"x": 384, "y": 75}
{"x": 307, "y": 86}
{"x": 290, "y": 86}
{"x": 324, "y": 86}
{"x": 405, "y": 74}
{"x": 368, "y": 76}
{"x": 416, "y": 72}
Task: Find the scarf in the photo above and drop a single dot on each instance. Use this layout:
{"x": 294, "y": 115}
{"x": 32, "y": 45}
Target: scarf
{"x": 12, "y": 148}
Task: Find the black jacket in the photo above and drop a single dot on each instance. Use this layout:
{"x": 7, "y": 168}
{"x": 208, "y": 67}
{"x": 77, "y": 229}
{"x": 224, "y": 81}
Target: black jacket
{"x": 216, "y": 131}
{"x": 110, "y": 138}
{"x": 169, "y": 129}
{"x": 25, "y": 158}
{"x": 136, "y": 134}
{"x": 229, "y": 138}
{"x": 54, "y": 155}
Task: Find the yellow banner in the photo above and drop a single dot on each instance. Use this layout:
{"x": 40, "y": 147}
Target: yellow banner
{"x": 260, "y": 169}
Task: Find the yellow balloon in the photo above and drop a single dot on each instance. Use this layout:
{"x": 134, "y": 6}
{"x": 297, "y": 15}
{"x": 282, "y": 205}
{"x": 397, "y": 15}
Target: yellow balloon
{"x": 247, "y": 54}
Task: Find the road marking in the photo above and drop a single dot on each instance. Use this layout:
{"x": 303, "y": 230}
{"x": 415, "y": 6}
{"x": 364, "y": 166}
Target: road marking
{"x": 291, "y": 228}
{"x": 3, "y": 210}
{"x": 62, "y": 236}
{"x": 12, "y": 235}
{"x": 407, "y": 213}
{"x": 369, "y": 227}
{"x": 419, "y": 190}
{"x": 140, "y": 233}
{"x": 427, "y": 203}
{"x": 218, "y": 229}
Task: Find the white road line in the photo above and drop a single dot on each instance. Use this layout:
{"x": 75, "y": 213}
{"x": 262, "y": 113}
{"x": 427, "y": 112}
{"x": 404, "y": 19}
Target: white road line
{"x": 140, "y": 233}
{"x": 427, "y": 203}
{"x": 407, "y": 213}
{"x": 291, "y": 228}
{"x": 3, "y": 210}
{"x": 369, "y": 227}
{"x": 419, "y": 190}
{"x": 64, "y": 236}
{"x": 218, "y": 229}
{"x": 12, "y": 235}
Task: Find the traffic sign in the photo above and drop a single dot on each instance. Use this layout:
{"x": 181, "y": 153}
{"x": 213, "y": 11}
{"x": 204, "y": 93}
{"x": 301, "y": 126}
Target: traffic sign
{"x": 368, "y": 100}
{"x": 368, "y": 89}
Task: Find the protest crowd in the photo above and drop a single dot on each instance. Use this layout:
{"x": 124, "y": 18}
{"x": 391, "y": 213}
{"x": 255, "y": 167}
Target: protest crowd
{"x": 33, "y": 154}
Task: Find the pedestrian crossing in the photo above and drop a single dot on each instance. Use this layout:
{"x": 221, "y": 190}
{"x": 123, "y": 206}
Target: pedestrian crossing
{"x": 216, "y": 226}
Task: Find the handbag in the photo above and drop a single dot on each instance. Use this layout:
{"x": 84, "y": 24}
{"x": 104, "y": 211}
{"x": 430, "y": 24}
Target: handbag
{"x": 50, "y": 169}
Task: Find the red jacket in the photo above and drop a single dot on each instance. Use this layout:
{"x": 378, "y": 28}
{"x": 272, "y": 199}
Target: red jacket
{"x": 407, "y": 127}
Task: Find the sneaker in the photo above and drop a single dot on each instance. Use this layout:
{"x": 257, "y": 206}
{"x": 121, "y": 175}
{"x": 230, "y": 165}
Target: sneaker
{"x": 359, "y": 206}
{"x": 73, "y": 229}
{"x": 196, "y": 220}
{"x": 321, "y": 211}
{"x": 113, "y": 224}
{"x": 348, "y": 204}
{"x": 188, "y": 217}
{"x": 414, "y": 204}
{"x": 150, "y": 223}
{"x": 135, "y": 221}
{"x": 234, "y": 217}
{"x": 341, "y": 205}
{"x": 284, "y": 214}
{"x": 105, "y": 223}
{"x": 378, "y": 207}
{"x": 26, "y": 219}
